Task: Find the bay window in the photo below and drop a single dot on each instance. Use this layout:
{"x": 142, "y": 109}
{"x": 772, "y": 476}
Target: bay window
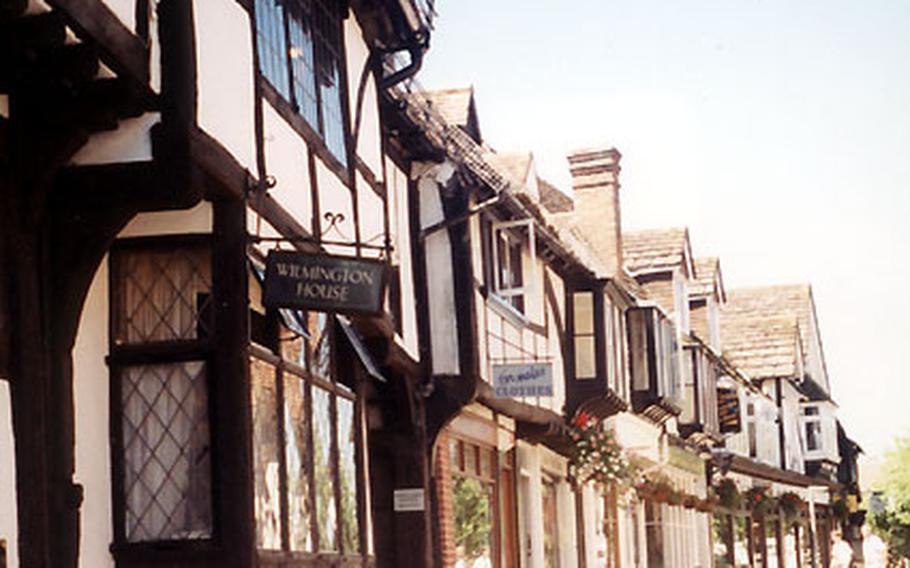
{"x": 583, "y": 328}
{"x": 307, "y": 432}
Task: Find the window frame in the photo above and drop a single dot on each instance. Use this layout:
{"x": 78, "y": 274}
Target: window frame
{"x": 273, "y": 355}
{"x": 514, "y": 297}
{"x": 286, "y": 103}
{"x": 123, "y": 355}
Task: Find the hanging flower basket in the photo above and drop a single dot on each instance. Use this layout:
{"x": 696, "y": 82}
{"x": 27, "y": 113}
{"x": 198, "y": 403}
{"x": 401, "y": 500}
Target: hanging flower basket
{"x": 596, "y": 455}
{"x": 691, "y": 502}
{"x": 791, "y": 504}
{"x": 759, "y": 501}
{"x": 676, "y": 498}
{"x": 706, "y": 505}
{"x": 839, "y": 508}
{"x": 728, "y": 494}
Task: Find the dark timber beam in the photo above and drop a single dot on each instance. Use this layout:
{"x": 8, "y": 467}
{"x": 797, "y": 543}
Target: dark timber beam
{"x": 122, "y": 50}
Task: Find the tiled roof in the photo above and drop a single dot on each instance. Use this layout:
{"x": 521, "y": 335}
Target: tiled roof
{"x": 760, "y": 345}
{"x": 655, "y": 249}
{"x": 707, "y": 271}
{"x": 453, "y": 104}
{"x": 553, "y": 199}
{"x": 758, "y": 321}
{"x": 517, "y": 164}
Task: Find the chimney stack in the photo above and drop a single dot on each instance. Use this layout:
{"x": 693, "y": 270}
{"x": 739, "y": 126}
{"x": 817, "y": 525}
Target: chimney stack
{"x": 595, "y": 179}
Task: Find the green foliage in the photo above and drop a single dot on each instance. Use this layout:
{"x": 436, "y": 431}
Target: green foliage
{"x": 472, "y": 517}
{"x": 893, "y": 524}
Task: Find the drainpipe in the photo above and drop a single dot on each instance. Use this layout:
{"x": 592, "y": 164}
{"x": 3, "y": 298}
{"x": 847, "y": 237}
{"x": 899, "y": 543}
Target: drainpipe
{"x": 416, "y": 50}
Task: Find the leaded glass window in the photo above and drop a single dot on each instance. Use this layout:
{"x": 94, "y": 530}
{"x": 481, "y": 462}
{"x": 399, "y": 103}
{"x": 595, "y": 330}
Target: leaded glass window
{"x": 160, "y": 314}
{"x": 300, "y": 55}
{"x": 308, "y": 432}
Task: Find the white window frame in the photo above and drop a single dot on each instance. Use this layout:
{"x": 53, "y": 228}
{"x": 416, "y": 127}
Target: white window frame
{"x": 528, "y": 285}
{"x": 804, "y": 421}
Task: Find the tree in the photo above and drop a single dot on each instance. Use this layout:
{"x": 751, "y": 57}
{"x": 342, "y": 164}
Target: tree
{"x": 893, "y": 523}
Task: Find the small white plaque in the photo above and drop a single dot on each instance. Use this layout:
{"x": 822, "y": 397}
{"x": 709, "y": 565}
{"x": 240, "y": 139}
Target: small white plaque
{"x": 524, "y": 379}
{"x": 409, "y": 500}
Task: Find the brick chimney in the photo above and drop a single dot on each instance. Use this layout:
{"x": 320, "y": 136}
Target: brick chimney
{"x": 595, "y": 179}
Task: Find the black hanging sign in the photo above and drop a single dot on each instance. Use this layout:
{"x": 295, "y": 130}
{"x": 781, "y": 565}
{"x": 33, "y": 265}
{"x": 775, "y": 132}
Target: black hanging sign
{"x": 324, "y": 283}
{"x": 728, "y": 411}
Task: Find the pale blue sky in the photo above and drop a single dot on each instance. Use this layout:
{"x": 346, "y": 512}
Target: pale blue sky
{"x": 777, "y": 131}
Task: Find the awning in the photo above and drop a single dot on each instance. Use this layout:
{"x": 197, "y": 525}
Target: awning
{"x": 363, "y": 353}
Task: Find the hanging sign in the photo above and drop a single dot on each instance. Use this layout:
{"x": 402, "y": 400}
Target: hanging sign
{"x": 523, "y": 379}
{"x": 324, "y": 283}
{"x": 728, "y": 411}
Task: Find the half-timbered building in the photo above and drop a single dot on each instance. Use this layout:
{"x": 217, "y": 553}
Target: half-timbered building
{"x": 163, "y": 406}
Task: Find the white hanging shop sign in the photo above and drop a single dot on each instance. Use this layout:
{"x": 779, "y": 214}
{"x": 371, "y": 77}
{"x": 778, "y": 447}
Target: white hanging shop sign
{"x": 522, "y": 379}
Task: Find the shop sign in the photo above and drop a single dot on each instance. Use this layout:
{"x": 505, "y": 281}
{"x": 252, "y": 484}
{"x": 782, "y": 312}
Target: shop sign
{"x": 728, "y": 412}
{"x": 407, "y": 500}
{"x": 523, "y": 379}
{"x": 684, "y": 460}
{"x": 324, "y": 283}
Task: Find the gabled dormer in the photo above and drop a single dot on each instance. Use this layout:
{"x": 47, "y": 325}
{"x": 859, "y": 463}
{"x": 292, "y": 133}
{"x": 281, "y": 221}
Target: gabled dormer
{"x": 661, "y": 261}
{"x": 706, "y": 295}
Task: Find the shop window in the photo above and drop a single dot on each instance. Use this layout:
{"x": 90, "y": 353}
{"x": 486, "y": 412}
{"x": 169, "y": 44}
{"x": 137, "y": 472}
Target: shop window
{"x": 160, "y": 321}
{"x": 654, "y": 534}
{"x": 473, "y": 490}
{"x": 583, "y": 328}
{"x": 300, "y": 54}
{"x": 307, "y": 432}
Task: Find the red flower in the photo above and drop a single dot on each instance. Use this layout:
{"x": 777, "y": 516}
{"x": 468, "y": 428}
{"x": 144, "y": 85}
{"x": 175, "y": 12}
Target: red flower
{"x": 581, "y": 420}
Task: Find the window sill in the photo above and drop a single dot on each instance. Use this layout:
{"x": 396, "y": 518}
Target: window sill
{"x": 502, "y": 306}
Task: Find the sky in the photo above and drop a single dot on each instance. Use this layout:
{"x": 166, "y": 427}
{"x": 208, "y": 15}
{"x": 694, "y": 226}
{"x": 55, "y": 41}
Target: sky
{"x": 777, "y": 131}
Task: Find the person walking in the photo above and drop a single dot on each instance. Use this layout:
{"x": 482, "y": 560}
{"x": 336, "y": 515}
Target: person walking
{"x": 841, "y": 552}
{"x": 875, "y": 551}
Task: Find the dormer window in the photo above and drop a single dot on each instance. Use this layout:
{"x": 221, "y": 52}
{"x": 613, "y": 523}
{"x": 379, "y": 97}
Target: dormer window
{"x": 506, "y": 242}
{"x": 300, "y": 53}
{"x": 654, "y": 361}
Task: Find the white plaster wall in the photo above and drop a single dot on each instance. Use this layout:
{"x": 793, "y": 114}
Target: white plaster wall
{"x": 400, "y": 229}
{"x": 636, "y": 435}
{"x": 125, "y": 10}
{"x": 131, "y": 142}
{"x": 286, "y": 161}
{"x": 224, "y": 56}
{"x": 369, "y": 146}
{"x": 91, "y": 396}
{"x": 440, "y": 283}
{"x": 372, "y": 216}
{"x": 335, "y": 197}
{"x": 195, "y": 220}
{"x": 9, "y": 530}
{"x": 793, "y": 442}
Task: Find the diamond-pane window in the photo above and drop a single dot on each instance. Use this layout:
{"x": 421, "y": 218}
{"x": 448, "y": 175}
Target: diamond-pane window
{"x": 166, "y": 452}
{"x": 163, "y": 295}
